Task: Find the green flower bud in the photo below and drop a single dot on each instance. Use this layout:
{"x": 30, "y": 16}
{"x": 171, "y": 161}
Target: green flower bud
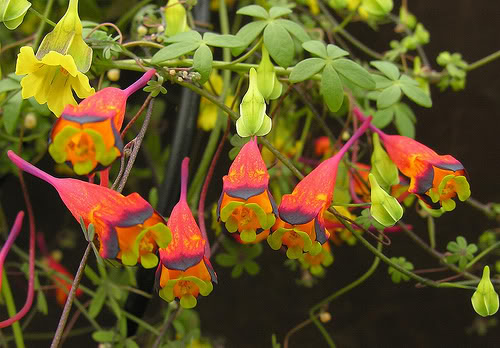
{"x": 12, "y": 12}
{"x": 113, "y": 74}
{"x": 485, "y": 299}
{"x": 385, "y": 209}
{"x": 30, "y": 120}
{"x": 377, "y": 8}
{"x": 267, "y": 81}
{"x": 176, "y": 18}
{"x": 253, "y": 119}
{"x": 383, "y": 167}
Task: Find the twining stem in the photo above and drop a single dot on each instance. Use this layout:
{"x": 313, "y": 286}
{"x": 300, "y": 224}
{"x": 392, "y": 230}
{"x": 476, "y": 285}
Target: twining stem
{"x": 137, "y": 146}
{"x": 339, "y": 293}
{"x": 11, "y": 311}
{"x": 41, "y": 16}
{"x": 482, "y": 254}
{"x": 164, "y": 328}
{"x": 245, "y": 56}
{"x": 483, "y": 61}
{"x": 431, "y": 228}
{"x": 69, "y": 300}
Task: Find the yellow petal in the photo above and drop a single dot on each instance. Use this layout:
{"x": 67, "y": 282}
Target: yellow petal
{"x": 26, "y": 61}
{"x": 67, "y": 62}
{"x": 81, "y": 85}
{"x": 60, "y": 93}
{"x": 37, "y": 84}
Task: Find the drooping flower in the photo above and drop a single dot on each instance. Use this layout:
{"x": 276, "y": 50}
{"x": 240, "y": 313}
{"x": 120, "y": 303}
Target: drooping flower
{"x": 12, "y": 12}
{"x": 176, "y": 18}
{"x": 436, "y": 179}
{"x": 246, "y": 206}
{"x": 127, "y": 227}
{"x": 301, "y": 225}
{"x": 59, "y": 65}
{"x": 267, "y": 81}
{"x": 184, "y": 271}
{"x": 86, "y": 136}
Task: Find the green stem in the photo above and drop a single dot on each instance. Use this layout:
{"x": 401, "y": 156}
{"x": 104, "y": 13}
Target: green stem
{"x": 346, "y": 21}
{"x": 431, "y": 227}
{"x": 482, "y": 254}
{"x": 338, "y": 204}
{"x": 282, "y": 158}
{"x": 41, "y": 16}
{"x": 11, "y": 310}
{"x": 303, "y": 136}
{"x": 339, "y": 293}
{"x": 131, "y": 13}
{"x": 483, "y": 61}
{"x": 245, "y": 56}
{"x": 143, "y": 44}
{"x": 484, "y": 208}
{"x": 141, "y": 323}
{"x": 39, "y": 32}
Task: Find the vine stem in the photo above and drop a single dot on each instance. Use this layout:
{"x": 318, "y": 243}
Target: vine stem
{"x": 11, "y": 311}
{"x": 71, "y": 296}
{"x": 483, "y": 61}
{"x": 46, "y": 12}
{"x": 339, "y": 293}
{"x": 165, "y": 327}
{"x": 42, "y": 17}
{"x": 482, "y": 254}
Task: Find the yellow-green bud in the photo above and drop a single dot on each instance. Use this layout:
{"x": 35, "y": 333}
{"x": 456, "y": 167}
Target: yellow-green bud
{"x": 253, "y": 119}
{"x": 267, "y": 80}
{"x": 12, "y": 12}
{"x": 485, "y": 299}
{"x": 383, "y": 167}
{"x": 113, "y": 75}
{"x": 142, "y": 30}
{"x": 385, "y": 208}
{"x": 325, "y": 317}
{"x": 176, "y": 18}
{"x": 30, "y": 120}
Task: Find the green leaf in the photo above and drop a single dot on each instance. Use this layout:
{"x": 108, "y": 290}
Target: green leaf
{"x": 388, "y": 69}
{"x": 174, "y": 50}
{"x": 247, "y": 34}
{"x": 216, "y": 40}
{"x": 279, "y": 43}
{"x": 237, "y": 271}
{"x": 253, "y": 11}
{"x": 306, "y": 68}
{"x": 381, "y": 81}
{"x": 278, "y": 11}
{"x": 9, "y": 84}
{"x": 11, "y": 112}
{"x": 354, "y": 72}
{"x": 188, "y": 36}
{"x": 316, "y": 47}
{"x": 335, "y": 52}
{"x": 97, "y": 302}
{"x": 382, "y": 118}
{"x": 252, "y": 267}
{"x": 104, "y": 336}
{"x": 414, "y": 92}
{"x": 331, "y": 88}
{"x": 202, "y": 62}
{"x": 389, "y": 96}
{"x": 129, "y": 343}
{"x": 226, "y": 260}
{"x": 404, "y": 124}
{"x": 41, "y": 303}
{"x": 294, "y": 29}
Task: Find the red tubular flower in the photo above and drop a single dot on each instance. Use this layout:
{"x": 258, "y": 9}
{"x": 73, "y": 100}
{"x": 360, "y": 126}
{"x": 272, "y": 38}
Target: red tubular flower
{"x": 246, "y": 206}
{"x": 436, "y": 179}
{"x": 127, "y": 227}
{"x": 184, "y": 271}
{"x": 86, "y": 136}
{"x": 62, "y": 286}
{"x": 301, "y": 225}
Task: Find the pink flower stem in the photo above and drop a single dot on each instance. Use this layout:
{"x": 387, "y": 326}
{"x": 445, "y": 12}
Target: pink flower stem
{"x": 184, "y": 177}
{"x": 359, "y": 132}
{"x": 204, "y": 190}
{"x": 359, "y": 114}
{"x": 353, "y": 193}
{"x": 31, "y": 279}
{"x": 14, "y": 232}
{"x": 143, "y": 80}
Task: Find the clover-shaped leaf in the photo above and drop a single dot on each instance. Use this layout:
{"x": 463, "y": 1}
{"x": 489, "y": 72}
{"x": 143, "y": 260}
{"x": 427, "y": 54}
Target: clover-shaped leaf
{"x": 240, "y": 257}
{"x": 396, "y": 275}
{"x": 461, "y": 252}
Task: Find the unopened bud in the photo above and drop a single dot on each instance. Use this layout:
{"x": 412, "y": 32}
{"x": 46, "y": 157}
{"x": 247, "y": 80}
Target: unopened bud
{"x": 175, "y": 15}
{"x": 113, "y": 75}
{"x": 30, "y": 121}
{"x": 142, "y": 30}
{"x": 325, "y": 317}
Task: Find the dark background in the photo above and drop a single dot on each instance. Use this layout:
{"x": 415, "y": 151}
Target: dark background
{"x": 247, "y": 311}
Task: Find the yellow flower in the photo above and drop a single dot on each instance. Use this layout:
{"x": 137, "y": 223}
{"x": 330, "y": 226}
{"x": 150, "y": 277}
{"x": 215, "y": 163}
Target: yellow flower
{"x": 59, "y": 65}
{"x": 208, "y": 110}
{"x": 52, "y": 79}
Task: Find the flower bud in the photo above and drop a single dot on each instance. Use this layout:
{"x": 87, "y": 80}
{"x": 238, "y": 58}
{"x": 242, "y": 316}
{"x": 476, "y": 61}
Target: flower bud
{"x": 485, "y": 299}
{"x": 385, "y": 209}
{"x": 12, "y": 12}
{"x": 176, "y": 18}
{"x": 142, "y": 30}
{"x": 113, "y": 75}
{"x": 325, "y": 317}
{"x": 253, "y": 119}
{"x": 383, "y": 167}
{"x": 267, "y": 81}
{"x": 30, "y": 121}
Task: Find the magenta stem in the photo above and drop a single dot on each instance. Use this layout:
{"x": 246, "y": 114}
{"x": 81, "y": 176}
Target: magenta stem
{"x": 29, "y": 168}
{"x": 14, "y": 232}
{"x": 184, "y": 177}
{"x": 143, "y": 80}
{"x": 359, "y": 114}
{"x": 359, "y": 132}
